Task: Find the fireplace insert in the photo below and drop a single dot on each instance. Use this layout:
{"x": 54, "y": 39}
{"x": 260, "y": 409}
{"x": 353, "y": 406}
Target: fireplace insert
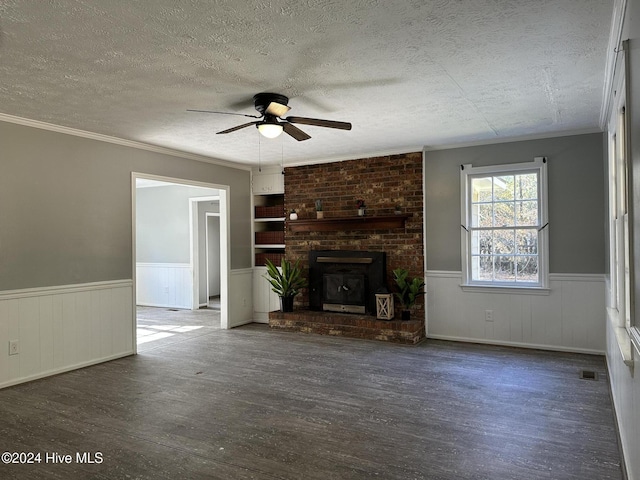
{"x": 345, "y": 280}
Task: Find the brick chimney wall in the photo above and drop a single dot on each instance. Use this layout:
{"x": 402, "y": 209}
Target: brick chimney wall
{"x": 383, "y": 182}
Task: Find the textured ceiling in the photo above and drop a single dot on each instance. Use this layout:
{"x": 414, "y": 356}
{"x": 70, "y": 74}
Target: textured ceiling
{"x": 406, "y": 73}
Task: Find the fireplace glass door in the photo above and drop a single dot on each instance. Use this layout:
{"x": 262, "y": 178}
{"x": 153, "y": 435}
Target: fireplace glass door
{"x": 344, "y": 293}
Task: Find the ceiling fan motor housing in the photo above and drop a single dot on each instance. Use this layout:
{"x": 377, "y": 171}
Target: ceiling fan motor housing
{"x": 262, "y": 100}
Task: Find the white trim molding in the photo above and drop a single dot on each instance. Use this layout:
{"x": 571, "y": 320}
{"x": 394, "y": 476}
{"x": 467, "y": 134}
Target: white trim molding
{"x": 615, "y": 43}
{"x": 62, "y": 289}
{"x": 471, "y": 222}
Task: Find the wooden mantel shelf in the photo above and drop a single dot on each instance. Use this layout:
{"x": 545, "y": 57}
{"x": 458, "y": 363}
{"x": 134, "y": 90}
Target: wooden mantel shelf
{"x": 386, "y": 222}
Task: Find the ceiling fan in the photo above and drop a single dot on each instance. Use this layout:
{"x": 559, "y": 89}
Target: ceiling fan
{"x": 272, "y": 107}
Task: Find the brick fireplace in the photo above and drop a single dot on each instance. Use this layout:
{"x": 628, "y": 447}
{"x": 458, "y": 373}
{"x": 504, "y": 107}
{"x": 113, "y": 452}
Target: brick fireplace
{"x": 383, "y": 183}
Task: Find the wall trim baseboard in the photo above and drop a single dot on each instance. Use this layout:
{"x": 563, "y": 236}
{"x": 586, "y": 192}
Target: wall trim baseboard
{"x": 69, "y": 368}
{"x": 242, "y": 271}
{"x": 62, "y": 289}
{"x": 163, "y": 265}
{"x": 162, "y": 305}
{"x": 501, "y": 343}
{"x": 577, "y": 277}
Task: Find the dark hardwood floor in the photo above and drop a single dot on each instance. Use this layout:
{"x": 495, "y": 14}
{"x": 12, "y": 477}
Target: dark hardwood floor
{"x": 251, "y": 403}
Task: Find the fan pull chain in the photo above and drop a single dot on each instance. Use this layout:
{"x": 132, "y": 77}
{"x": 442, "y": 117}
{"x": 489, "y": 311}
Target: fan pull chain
{"x": 259, "y": 152}
{"x": 282, "y": 153}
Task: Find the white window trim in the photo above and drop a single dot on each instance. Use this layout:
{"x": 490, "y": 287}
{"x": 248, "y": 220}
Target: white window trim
{"x": 542, "y": 288}
{"x": 621, "y": 311}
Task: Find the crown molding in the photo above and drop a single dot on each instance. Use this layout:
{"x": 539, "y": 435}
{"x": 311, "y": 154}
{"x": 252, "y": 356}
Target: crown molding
{"x": 521, "y": 138}
{"x": 119, "y": 141}
{"x": 615, "y": 43}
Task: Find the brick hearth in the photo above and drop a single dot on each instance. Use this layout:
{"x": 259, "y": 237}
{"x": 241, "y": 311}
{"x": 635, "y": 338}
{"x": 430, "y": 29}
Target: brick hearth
{"x": 349, "y": 325}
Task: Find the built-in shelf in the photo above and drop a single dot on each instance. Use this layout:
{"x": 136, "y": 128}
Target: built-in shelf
{"x": 380, "y": 222}
{"x": 279, "y": 219}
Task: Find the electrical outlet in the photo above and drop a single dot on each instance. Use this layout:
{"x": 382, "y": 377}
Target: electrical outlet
{"x": 13, "y": 347}
{"x": 488, "y": 315}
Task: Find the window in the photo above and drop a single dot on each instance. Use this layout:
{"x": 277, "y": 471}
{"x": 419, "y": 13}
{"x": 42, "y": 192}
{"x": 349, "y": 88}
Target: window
{"x": 620, "y": 226}
{"x": 504, "y": 225}
{"x": 619, "y": 221}
{"x": 621, "y": 298}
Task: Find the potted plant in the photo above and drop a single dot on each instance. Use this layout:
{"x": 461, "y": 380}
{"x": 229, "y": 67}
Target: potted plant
{"x": 319, "y": 211}
{"x": 361, "y": 207}
{"x": 286, "y": 281}
{"x": 408, "y": 290}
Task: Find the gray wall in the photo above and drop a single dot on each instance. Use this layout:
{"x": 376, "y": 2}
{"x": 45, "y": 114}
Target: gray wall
{"x": 65, "y": 206}
{"x": 576, "y": 194}
{"x": 162, "y": 223}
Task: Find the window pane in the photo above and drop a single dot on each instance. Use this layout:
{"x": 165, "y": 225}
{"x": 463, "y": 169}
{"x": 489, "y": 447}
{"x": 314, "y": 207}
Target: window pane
{"x": 503, "y": 188}
{"x": 505, "y": 268}
{"x": 481, "y": 243}
{"x": 504, "y": 241}
{"x": 527, "y": 241}
{"x": 527, "y": 269}
{"x": 527, "y": 212}
{"x": 481, "y": 189}
{"x": 485, "y": 270}
{"x": 482, "y": 215}
{"x": 527, "y": 186}
{"x": 504, "y": 214}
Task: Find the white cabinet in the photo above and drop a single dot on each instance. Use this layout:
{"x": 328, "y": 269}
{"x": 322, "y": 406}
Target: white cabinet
{"x": 268, "y": 183}
{"x": 265, "y": 300}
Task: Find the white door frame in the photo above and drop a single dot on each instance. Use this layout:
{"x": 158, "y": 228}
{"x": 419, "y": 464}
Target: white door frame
{"x": 225, "y": 260}
{"x": 207, "y": 216}
{"x": 194, "y": 251}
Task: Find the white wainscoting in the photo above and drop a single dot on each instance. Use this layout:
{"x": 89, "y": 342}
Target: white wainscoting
{"x": 571, "y": 318}
{"x": 240, "y": 297}
{"x": 63, "y": 328}
{"x": 168, "y": 285}
{"x": 625, "y": 391}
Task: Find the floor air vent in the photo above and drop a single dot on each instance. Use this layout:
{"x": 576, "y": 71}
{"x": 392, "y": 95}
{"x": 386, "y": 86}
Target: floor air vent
{"x": 588, "y": 375}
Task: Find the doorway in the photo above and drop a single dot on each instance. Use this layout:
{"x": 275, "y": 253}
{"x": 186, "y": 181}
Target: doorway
{"x": 212, "y": 239}
{"x": 172, "y": 248}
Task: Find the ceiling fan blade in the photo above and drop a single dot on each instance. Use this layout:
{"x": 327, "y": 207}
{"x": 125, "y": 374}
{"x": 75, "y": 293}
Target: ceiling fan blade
{"x": 224, "y": 113}
{"x": 233, "y": 129}
{"x": 277, "y": 109}
{"x": 320, "y": 123}
{"x": 295, "y": 132}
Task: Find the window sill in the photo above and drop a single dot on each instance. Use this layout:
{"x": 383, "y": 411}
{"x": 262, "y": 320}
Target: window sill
{"x": 505, "y": 289}
{"x": 623, "y": 339}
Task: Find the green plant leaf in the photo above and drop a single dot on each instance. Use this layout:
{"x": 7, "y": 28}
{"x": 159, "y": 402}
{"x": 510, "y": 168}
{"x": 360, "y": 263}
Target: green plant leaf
{"x": 286, "y": 281}
{"x": 408, "y": 288}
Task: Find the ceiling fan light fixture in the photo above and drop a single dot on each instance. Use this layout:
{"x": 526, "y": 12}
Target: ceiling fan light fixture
{"x": 269, "y": 129}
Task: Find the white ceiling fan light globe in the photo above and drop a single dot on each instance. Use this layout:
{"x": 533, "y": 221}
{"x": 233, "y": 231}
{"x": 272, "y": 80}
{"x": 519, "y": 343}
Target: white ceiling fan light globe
{"x": 270, "y": 130}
